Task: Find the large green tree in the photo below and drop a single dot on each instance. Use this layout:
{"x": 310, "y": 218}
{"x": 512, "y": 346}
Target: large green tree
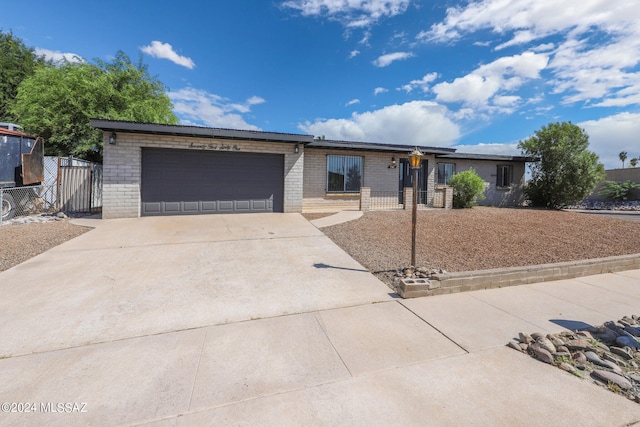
{"x": 17, "y": 61}
{"x": 565, "y": 171}
{"x": 59, "y": 101}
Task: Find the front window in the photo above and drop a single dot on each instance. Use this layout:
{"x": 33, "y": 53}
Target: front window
{"x": 344, "y": 174}
{"x": 505, "y": 176}
{"x": 445, "y": 172}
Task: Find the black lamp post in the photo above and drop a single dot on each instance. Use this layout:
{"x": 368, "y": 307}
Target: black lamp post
{"x": 415, "y": 158}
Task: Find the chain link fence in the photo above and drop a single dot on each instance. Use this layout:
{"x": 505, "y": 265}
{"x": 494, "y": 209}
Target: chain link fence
{"x": 22, "y": 201}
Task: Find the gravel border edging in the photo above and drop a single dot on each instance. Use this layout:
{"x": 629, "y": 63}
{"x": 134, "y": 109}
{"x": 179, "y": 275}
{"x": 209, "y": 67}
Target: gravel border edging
{"x": 464, "y": 281}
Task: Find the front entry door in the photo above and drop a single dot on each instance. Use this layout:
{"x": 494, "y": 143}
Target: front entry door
{"x": 406, "y": 180}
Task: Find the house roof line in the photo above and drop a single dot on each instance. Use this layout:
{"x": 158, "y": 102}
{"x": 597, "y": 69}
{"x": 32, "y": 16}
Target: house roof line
{"x": 372, "y": 146}
{"x": 198, "y": 131}
{"x": 496, "y": 157}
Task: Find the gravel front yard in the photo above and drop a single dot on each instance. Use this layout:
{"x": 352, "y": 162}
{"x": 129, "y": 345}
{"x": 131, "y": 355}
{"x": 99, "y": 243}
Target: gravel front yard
{"x": 482, "y": 238}
{"x": 19, "y": 242}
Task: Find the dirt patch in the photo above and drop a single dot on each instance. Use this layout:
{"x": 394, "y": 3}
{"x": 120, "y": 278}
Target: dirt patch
{"x": 482, "y": 238}
{"x": 317, "y": 215}
{"x": 19, "y": 242}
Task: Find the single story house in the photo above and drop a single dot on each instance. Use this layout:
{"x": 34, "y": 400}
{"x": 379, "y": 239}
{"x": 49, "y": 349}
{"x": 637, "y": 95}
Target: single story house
{"x": 155, "y": 169}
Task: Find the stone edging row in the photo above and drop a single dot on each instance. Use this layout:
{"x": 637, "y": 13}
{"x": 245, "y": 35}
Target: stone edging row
{"x": 449, "y": 283}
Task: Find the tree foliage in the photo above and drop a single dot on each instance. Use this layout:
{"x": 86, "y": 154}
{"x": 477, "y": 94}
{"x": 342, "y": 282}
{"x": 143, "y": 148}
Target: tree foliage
{"x": 59, "y": 101}
{"x": 468, "y": 188}
{"x": 565, "y": 171}
{"x": 618, "y": 191}
{"x": 17, "y": 62}
{"x": 622, "y": 156}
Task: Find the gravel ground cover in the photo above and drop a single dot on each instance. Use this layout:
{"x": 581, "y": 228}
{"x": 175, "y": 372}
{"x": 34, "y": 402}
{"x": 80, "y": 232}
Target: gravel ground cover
{"x": 482, "y": 238}
{"x": 19, "y": 242}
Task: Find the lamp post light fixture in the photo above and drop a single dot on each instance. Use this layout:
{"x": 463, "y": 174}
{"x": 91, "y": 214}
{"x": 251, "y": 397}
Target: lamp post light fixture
{"x": 415, "y": 158}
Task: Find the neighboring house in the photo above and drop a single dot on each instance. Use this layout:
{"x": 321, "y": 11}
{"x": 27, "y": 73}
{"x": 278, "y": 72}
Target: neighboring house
{"x": 154, "y": 169}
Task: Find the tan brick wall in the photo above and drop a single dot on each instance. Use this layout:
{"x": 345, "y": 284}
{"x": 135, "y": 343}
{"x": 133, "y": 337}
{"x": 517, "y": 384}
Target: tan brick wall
{"x": 122, "y": 168}
{"x": 377, "y": 176}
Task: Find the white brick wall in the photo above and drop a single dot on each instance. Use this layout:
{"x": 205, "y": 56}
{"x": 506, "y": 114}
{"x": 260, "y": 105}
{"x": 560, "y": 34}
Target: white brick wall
{"x": 122, "y": 169}
{"x": 487, "y": 170}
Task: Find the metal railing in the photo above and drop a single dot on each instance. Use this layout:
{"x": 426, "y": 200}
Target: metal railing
{"x": 383, "y": 200}
{"x": 22, "y": 201}
{"x": 422, "y": 200}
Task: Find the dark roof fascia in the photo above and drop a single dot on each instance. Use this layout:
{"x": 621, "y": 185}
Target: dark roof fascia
{"x": 198, "y": 131}
{"x": 494, "y": 157}
{"x": 370, "y": 146}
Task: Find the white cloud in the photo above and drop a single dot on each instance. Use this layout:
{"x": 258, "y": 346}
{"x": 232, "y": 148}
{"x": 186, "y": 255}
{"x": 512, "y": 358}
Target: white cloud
{"x": 597, "y": 59}
{"x": 412, "y": 123}
{"x": 196, "y": 106}
{"x": 379, "y": 90}
{"x": 351, "y": 13}
{"x": 58, "y": 57}
{"x": 491, "y": 80}
{"x": 610, "y": 135}
{"x": 354, "y": 53}
{"x": 165, "y": 51}
{"x": 387, "y": 59}
{"x": 352, "y": 102}
{"x": 423, "y": 83}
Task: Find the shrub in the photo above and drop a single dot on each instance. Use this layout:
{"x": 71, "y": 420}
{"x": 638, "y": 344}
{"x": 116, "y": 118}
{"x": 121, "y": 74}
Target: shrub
{"x": 618, "y": 191}
{"x": 468, "y": 188}
{"x": 564, "y": 171}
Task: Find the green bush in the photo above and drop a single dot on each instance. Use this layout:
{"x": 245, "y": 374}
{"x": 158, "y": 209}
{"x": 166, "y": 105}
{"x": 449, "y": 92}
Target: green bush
{"x": 618, "y": 191}
{"x": 468, "y": 188}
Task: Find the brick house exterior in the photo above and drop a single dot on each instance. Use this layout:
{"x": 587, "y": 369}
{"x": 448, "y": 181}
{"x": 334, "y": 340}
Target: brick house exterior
{"x": 303, "y": 180}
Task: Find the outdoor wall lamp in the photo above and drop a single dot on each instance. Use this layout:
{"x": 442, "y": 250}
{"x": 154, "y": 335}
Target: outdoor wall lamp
{"x": 415, "y": 158}
{"x": 393, "y": 164}
{"x": 112, "y": 138}
{"x": 296, "y": 149}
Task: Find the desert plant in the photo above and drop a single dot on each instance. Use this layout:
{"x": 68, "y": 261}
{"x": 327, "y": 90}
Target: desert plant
{"x": 618, "y": 191}
{"x": 468, "y": 188}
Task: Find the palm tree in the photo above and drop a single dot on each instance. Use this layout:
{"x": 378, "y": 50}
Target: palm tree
{"x": 633, "y": 162}
{"x": 623, "y": 157}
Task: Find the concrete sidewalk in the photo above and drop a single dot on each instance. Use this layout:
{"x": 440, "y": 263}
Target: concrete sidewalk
{"x": 145, "y": 352}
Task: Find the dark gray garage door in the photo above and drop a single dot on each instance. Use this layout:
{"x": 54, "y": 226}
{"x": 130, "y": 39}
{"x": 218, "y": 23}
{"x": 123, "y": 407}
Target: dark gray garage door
{"x": 183, "y": 182}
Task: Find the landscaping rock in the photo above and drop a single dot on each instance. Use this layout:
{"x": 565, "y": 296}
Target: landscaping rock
{"x": 622, "y": 352}
{"x": 546, "y": 344}
{"x": 618, "y": 380}
{"x": 626, "y": 341}
{"x": 567, "y": 367}
{"x": 578, "y": 345}
{"x": 580, "y": 353}
{"x": 540, "y": 353}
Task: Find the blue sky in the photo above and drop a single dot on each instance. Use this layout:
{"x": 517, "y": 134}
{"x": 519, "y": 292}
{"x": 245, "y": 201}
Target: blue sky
{"x": 474, "y": 75}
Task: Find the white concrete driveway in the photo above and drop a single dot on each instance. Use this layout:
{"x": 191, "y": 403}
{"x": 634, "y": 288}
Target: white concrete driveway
{"x": 144, "y": 276}
{"x": 183, "y": 322}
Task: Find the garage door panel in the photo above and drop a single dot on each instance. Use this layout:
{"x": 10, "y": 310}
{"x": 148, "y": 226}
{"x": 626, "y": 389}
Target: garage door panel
{"x": 183, "y": 182}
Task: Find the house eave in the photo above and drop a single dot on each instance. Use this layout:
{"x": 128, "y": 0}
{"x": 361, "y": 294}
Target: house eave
{"x": 198, "y": 131}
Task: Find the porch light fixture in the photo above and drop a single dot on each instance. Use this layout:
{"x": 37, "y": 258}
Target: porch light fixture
{"x": 415, "y": 158}
{"x": 112, "y": 138}
{"x": 296, "y": 149}
{"x": 393, "y": 164}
